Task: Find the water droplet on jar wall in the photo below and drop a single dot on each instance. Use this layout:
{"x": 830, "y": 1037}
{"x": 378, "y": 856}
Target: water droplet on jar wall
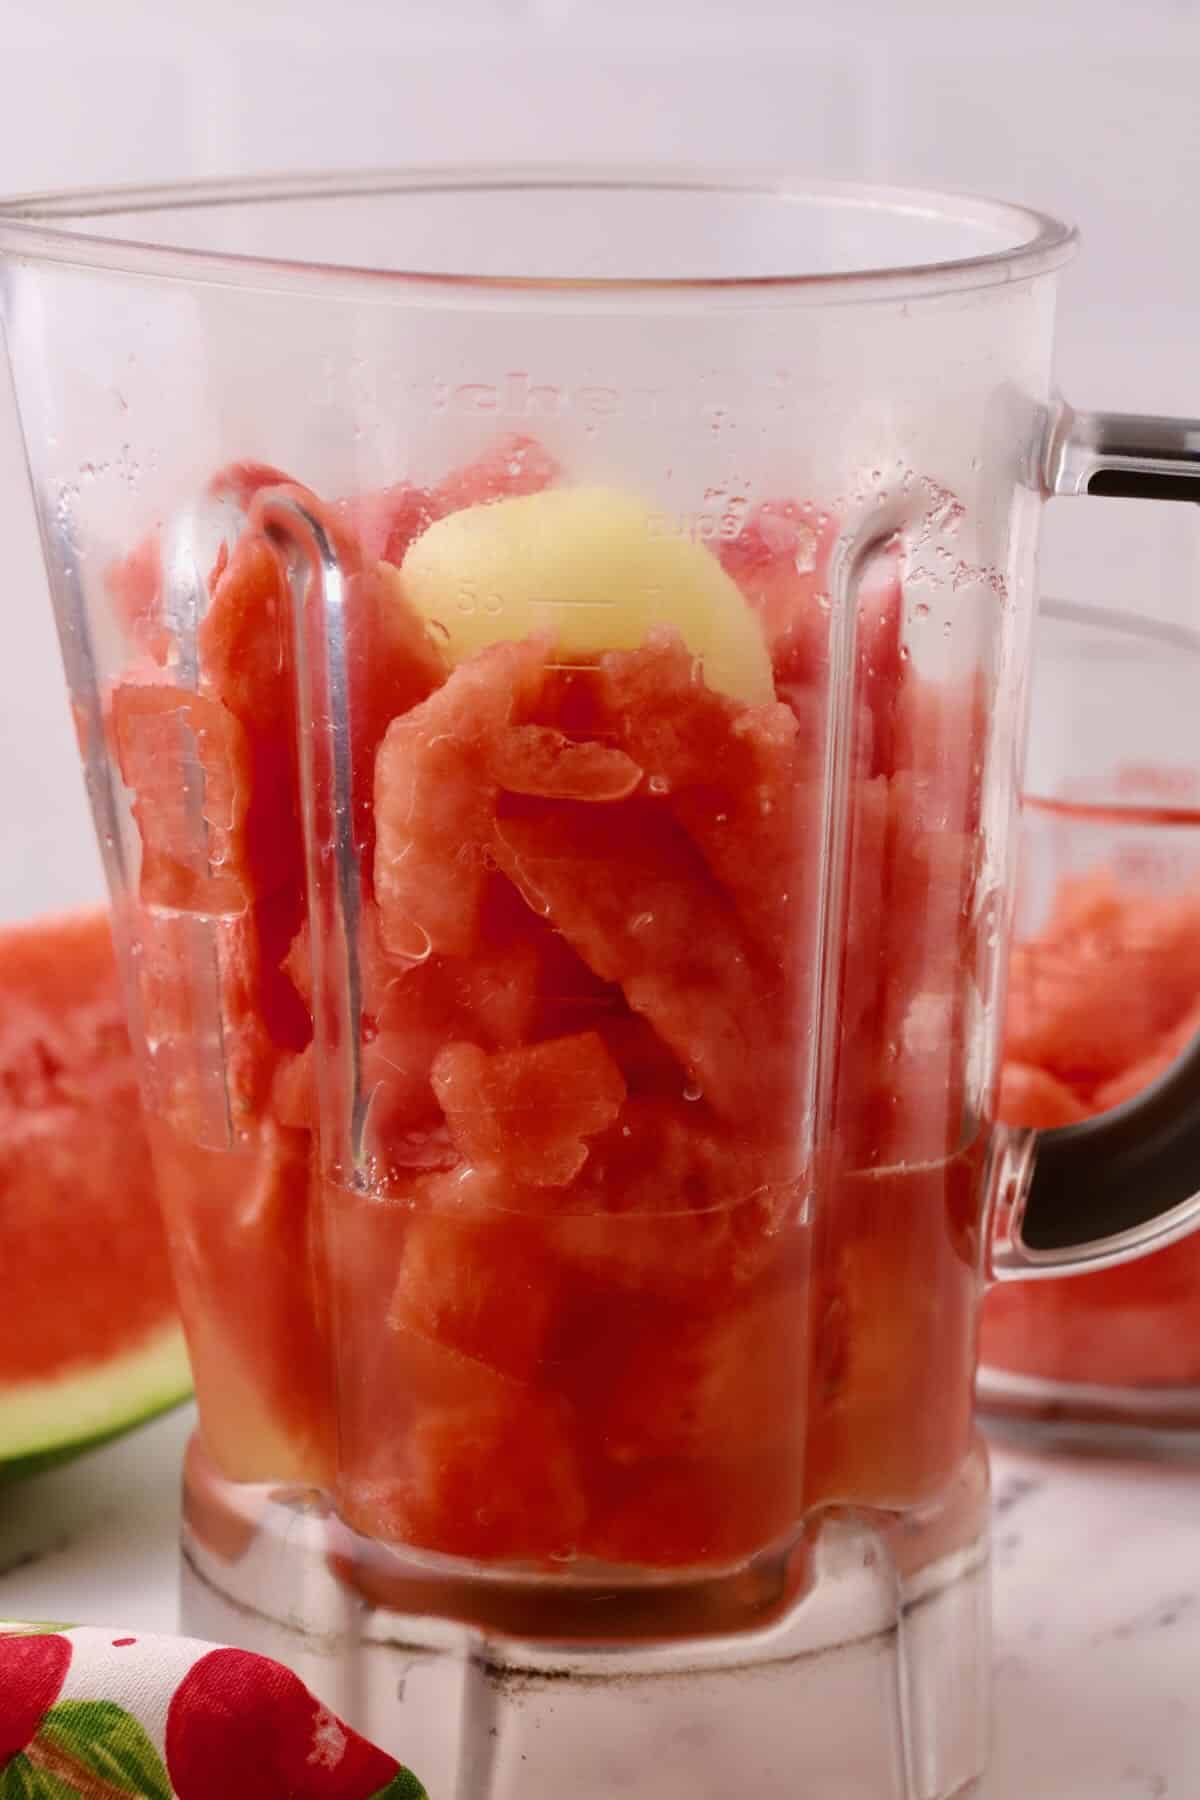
{"x": 693, "y": 1091}
{"x": 658, "y": 784}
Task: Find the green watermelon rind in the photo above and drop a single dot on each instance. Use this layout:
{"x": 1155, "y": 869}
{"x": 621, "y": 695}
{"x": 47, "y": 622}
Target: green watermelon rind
{"x": 48, "y": 1421}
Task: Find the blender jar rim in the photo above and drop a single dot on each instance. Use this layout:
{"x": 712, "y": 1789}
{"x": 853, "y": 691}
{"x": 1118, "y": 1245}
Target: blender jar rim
{"x": 68, "y": 227}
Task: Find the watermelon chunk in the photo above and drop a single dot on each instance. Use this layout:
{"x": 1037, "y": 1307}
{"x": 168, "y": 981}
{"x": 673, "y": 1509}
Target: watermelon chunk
{"x": 729, "y": 772}
{"x": 685, "y": 1512}
{"x": 893, "y": 1343}
{"x": 526, "y": 984}
{"x": 245, "y": 640}
{"x": 386, "y": 520}
{"x": 476, "y": 1465}
{"x": 781, "y": 560}
{"x": 1030, "y": 1096}
{"x": 134, "y": 584}
{"x": 1133, "y": 1080}
{"x": 1078, "y": 982}
{"x": 668, "y": 1204}
{"x": 537, "y": 760}
{"x": 245, "y": 1234}
{"x": 187, "y": 761}
{"x": 513, "y": 466}
{"x": 241, "y": 481}
{"x": 484, "y": 1287}
{"x": 529, "y": 1112}
{"x": 631, "y": 896}
{"x": 733, "y": 1381}
{"x": 1068, "y": 1015}
{"x": 434, "y": 802}
{"x": 392, "y": 665}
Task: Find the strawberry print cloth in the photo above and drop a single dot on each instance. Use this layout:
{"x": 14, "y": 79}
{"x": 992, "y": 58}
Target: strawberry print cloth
{"x": 89, "y": 1714}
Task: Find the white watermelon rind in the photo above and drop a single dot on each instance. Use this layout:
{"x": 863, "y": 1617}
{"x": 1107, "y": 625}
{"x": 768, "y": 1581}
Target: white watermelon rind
{"x": 44, "y": 1421}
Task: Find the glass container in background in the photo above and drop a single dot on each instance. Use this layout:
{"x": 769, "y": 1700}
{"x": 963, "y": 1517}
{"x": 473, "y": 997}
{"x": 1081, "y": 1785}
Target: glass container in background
{"x": 1104, "y": 994}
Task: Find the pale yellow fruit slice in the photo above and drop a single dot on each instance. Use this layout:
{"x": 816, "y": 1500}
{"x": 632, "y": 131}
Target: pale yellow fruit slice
{"x": 595, "y": 568}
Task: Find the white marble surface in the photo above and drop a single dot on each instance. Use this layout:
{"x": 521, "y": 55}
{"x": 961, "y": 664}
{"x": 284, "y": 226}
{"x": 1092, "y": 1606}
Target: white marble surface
{"x": 1097, "y": 1602}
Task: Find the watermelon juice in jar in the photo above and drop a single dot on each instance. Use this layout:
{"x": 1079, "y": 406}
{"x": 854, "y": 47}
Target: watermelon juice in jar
{"x": 1103, "y": 997}
{"x": 548, "y": 656}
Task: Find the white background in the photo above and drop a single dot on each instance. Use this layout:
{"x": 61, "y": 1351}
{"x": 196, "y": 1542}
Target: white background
{"x": 1086, "y": 107}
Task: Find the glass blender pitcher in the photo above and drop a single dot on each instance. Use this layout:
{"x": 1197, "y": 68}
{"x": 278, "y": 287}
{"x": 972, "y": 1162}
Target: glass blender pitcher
{"x": 549, "y": 654}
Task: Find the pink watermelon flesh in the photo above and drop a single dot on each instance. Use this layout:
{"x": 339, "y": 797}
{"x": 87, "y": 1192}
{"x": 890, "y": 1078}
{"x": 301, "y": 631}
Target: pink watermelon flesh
{"x": 629, "y": 894}
{"x": 573, "y": 1319}
{"x": 529, "y": 1112}
{"x": 434, "y": 802}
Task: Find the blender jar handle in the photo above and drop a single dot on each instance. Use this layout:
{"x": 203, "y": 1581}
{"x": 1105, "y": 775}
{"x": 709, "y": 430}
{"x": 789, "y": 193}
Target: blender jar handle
{"x": 1127, "y": 1182}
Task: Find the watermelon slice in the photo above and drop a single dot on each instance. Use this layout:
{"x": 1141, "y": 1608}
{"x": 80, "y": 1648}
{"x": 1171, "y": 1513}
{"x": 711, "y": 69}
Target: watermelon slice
{"x": 90, "y": 1342}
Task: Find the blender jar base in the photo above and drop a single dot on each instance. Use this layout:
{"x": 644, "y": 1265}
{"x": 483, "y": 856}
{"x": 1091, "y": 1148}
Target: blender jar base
{"x": 1033, "y": 1411}
{"x": 869, "y": 1680}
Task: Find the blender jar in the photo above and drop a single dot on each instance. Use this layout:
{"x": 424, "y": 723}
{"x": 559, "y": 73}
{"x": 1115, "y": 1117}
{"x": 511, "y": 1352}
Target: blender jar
{"x": 1103, "y": 995}
{"x": 548, "y": 653}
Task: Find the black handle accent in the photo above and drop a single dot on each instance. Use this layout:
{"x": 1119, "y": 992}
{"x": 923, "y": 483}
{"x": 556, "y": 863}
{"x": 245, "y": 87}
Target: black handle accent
{"x": 1120, "y": 1170}
{"x": 1136, "y": 1169}
{"x": 1143, "y": 484}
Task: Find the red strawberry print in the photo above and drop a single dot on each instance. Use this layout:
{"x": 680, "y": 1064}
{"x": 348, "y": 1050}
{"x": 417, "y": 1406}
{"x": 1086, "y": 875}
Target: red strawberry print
{"x": 241, "y": 1724}
{"x": 32, "y": 1671}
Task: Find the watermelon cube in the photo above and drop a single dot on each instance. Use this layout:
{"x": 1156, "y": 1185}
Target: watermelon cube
{"x": 187, "y": 761}
{"x": 435, "y": 800}
{"x": 536, "y": 759}
{"x": 514, "y": 465}
{"x": 473, "y": 1464}
{"x": 529, "y": 1112}
{"x": 478, "y": 1285}
{"x": 728, "y": 770}
{"x": 1031, "y": 1096}
{"x": 895, "y": 1293}
{"x": 782, "y": 561}
{"x": 386, "y": 520}
{"x": 244, "y": 1229}
{"x": 134, "y": 584}
{"x": 696, "y": 1511}
{"x": 727, "y": 1383}
{"x": 669, "y": 1204}
{"x": 629, "y": 893}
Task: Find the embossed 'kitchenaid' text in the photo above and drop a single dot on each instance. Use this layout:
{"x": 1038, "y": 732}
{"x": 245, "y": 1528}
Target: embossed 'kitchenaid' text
{"x": 518, "y": 395}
